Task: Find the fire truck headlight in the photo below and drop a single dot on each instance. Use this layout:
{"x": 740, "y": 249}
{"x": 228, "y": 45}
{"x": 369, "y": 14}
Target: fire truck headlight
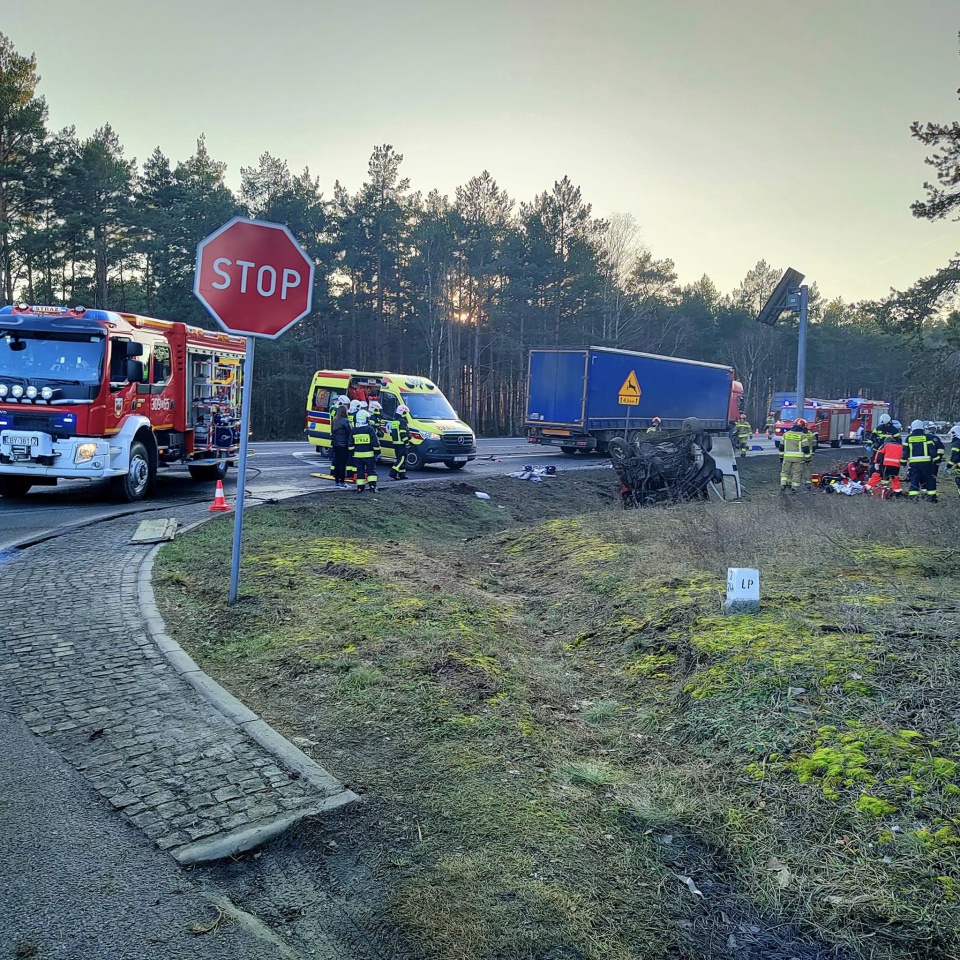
{"x": 17, "y": 390}
{"x": 32, "y": 391}
{"x": 3, "y": 389}
{"x": 46, "y": 393}
{"x": 85, "y": 452}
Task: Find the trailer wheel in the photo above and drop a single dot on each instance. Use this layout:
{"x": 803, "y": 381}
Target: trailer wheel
{"x": 14, "y": 487}
{"x": 212, "y": 472}
{"x": 133, "y": 485}
{"x": 569, "y": 451}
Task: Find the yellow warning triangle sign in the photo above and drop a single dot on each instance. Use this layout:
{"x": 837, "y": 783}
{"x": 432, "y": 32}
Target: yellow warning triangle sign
{"x": 630, "y": 391}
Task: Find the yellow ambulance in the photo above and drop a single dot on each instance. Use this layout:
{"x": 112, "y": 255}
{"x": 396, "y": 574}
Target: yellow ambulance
{"x": 437, "y": 434}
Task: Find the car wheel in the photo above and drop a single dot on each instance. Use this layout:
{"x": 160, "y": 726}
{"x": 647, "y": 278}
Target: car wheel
{"x": 133, "y": 485}
{"x": 209, "y": 472}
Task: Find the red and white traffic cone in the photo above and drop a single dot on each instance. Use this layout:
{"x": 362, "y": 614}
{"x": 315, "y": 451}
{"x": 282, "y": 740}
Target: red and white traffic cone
{"x": 219, "y": 501}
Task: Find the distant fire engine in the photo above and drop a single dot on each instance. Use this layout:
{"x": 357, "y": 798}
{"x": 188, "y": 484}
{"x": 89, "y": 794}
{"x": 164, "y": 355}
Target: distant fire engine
{"x": 93, "y": 394}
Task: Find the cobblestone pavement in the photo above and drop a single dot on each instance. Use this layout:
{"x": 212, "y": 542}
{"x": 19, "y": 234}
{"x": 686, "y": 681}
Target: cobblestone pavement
{"x": 78, "y": 668}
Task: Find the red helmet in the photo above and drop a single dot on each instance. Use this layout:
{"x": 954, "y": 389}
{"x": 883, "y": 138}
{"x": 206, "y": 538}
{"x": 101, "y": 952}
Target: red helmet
{"x": 799, "y": 422}
{"x": 655, "y": 420}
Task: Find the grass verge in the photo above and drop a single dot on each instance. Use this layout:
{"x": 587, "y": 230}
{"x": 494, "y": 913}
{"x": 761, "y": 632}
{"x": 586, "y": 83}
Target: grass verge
{"x": 568, "y": 751}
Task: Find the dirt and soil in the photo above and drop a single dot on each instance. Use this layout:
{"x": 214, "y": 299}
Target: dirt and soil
{"x": 566, "y": 750}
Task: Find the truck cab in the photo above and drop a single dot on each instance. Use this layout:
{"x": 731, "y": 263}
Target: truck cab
{"x": 437, "y": 434}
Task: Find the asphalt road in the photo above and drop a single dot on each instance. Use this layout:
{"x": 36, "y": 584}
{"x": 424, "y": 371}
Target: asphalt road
{"x": 274, "y": 471}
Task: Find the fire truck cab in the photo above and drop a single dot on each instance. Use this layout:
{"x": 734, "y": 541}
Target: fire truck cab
{"x": 93, "y": 394}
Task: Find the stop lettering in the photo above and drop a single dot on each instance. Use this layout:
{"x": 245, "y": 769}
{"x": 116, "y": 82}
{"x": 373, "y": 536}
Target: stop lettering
{"x": 254, "y": 278}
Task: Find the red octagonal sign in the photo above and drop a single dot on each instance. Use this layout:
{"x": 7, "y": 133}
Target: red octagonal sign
{"x": 254, "y": 278}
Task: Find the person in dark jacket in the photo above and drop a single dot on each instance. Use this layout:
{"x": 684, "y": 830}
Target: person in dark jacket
{"x": 954, "y": 462}
{"x": 922, "y": 453}
{"x": 340, "y": 444}
{"x": 400, "y": 434}
{"x": 364, "y": 447}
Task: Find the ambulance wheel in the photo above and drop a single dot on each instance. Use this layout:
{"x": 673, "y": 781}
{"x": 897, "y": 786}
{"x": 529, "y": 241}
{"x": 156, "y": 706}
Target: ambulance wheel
{"x": 14, "y": 487}
{"x": 133, "y": 485}
{"x": 217, "y": 471}
{"x": 455, "y": 466}
{"x": 414, "y": 460}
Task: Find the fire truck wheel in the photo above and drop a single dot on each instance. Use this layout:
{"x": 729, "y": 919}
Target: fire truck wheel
{"x": 836, "y": 444}
{"x": 133, "y": 485}
{"x": 217, "y": 471}
{"x": 14, "y": 487}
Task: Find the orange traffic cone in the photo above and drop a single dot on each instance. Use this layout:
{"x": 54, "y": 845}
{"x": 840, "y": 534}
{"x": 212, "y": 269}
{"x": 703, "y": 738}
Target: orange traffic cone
{"x": 219, "y": 502}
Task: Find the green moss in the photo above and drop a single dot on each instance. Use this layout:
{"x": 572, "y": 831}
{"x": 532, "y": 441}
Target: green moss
{"x": 874, "y": 806}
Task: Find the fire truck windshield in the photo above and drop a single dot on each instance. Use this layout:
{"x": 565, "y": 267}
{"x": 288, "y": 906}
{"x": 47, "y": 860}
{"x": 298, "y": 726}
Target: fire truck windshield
{"x": 429, "y": 406}
{"x": 50, "y": 358}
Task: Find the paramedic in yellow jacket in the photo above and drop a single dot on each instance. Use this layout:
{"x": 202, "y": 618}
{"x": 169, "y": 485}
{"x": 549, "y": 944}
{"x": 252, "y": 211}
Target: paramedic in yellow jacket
{"x": 796, "y": 453}
{"x": 743, "y": 432}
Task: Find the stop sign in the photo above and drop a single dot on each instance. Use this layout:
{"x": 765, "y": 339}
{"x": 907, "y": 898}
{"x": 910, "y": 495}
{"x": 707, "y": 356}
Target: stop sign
{"x": 253, "y": 278}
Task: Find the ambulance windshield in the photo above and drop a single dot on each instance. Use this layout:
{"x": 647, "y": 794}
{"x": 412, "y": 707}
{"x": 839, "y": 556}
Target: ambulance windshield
{"x": 36, "y": 357}
{"x": 429, "y": 406}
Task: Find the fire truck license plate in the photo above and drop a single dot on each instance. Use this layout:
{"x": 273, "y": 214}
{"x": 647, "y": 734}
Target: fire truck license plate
{"x": 20, "y": 439}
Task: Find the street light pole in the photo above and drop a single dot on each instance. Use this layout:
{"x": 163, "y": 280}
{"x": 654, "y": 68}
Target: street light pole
{"x": 802, "y": 352}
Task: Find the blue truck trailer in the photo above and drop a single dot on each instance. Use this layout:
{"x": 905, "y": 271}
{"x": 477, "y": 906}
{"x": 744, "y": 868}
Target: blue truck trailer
{"x": 574, "y": 401}
{"x": 573, "y": 395}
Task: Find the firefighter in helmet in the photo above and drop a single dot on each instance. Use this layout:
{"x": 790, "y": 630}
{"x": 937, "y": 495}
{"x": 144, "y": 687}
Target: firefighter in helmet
{"x": 887, "y": 459}
{"x": 654, "y": 425}
{"x": 954, "y": 462}
{"x": 364, "y": 447}
{"x": 885, "y": 431}
{"x": 922, "y": 453}
{"x": 771, "y": 424}
{"x": 795, "y": 454}
{"x": 743, "y": 431}
{"x": 400, "y": 435}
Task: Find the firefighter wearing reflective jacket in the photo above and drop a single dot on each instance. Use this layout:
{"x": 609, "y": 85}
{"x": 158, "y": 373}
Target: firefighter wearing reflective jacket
{"x": 885, "y": 431}
{"x": 922, "y": 453}
{"x": 364, "y": 447}
{"x": 743, "y": 431}
{"x": 797, "y": 451}
{"x": 400, "y": 435}
{"x": 771, "y": 424}
{"x": 953, "y": 463}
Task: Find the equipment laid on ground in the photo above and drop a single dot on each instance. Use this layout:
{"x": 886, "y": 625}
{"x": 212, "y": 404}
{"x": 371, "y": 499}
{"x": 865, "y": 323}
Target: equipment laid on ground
{"x": 92, "y": 394}
{"x": 670, "y": 467}
{"x": 437, "y": 434}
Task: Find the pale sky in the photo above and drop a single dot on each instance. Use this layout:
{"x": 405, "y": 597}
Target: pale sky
{"x": 732, "y": 130}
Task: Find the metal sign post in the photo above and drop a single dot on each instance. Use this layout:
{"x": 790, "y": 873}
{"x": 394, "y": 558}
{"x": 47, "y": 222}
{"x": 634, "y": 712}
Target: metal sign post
{"x": 242, "y": 473}
{"x": 802, "y": 354}
{"x": 629, "y": 396}
{"x": 254, "y": 279}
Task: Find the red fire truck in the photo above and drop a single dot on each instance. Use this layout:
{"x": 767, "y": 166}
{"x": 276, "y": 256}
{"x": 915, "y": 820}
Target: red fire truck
{"x": 93, "y": 394}
{"x": 866, "y": 414}
{"x": 829, "y": 420}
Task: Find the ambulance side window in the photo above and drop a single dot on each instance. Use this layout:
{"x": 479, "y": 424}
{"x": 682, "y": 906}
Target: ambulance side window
{"x": 321, "y": 398}
{"x": 389, "y": 403}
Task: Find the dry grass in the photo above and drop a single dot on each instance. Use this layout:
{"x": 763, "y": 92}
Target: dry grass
{"x": 568, "y": 751}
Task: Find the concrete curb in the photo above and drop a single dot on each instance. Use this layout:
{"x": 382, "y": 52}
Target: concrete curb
{"x": 334, "y": 793}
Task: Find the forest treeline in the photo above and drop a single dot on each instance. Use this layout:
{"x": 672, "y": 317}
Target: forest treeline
{"x": 457, "y": 288}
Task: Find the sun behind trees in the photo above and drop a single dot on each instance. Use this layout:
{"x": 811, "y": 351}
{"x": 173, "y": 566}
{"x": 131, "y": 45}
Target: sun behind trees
{"x": 458, "y": 289}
